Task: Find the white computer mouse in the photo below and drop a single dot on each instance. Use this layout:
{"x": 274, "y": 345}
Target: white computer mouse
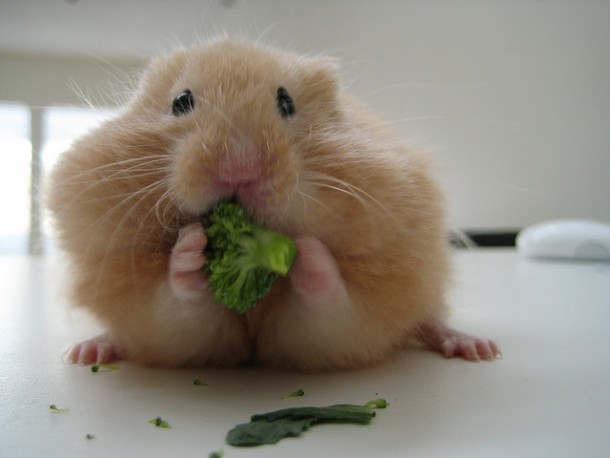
{"x": 578, "y": 239}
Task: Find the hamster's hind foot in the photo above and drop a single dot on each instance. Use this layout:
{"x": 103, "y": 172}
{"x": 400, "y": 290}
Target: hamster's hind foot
{"x": 186, "y": 263}
{"x": 98, "y": 350}
{"x": 451, "y": 343}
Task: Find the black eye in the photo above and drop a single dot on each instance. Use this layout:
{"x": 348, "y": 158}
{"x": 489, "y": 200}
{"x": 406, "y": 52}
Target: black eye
{"x": 284, "y": 102}
{"x": 183, "y": 103}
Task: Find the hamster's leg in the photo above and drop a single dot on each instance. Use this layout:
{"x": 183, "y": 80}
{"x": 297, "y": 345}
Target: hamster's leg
{"x": 98, "y": 350}
{"x": 186, "y": 263}
{"x": 450, "y": 342}
{"x": 315, "y": 276}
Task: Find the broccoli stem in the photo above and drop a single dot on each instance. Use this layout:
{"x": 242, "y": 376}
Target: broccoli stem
{"x": 269, "y": 250}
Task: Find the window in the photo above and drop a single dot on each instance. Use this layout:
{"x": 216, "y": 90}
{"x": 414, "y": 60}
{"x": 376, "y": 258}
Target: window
{"x": 62, "y": 126}
{"x": 31, "y": 140}
{"x": 15, "y": 161}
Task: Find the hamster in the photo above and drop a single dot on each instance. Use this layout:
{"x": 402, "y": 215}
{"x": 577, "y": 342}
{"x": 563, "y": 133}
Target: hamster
{"x": 276, "y": 131}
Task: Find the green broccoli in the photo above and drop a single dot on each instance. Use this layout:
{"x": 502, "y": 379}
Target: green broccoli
{"x": 243, "y": 258}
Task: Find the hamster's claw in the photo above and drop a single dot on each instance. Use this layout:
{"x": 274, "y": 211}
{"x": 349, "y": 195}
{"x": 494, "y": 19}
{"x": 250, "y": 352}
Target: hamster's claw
{"x": 186, "y": 262}
{"x": 98, "y": 350}
{"x": 452, "y": 343}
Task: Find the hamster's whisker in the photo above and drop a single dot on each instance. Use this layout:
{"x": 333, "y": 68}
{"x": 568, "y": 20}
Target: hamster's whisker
{"x": 119, "y": 173}
{"x": 451, "y": 118}
{"x": 140, "y": 174}
{"x": 144, "y": 226}
{"x": 119, "y": 228}
{"x": 337, "y": 184}
{"x": 128, "y": 197}
{"x": 167, "y": 214}
{"x": 324, "y": 180}
{"x": 139, "y": 161}
{"x": 348, "y": 191}
{"x": 169, "y": 208}
{"x": 304, "y": 196}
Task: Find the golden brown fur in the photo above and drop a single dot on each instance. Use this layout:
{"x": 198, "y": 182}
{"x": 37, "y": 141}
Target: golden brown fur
{"x": 121, "y": 194}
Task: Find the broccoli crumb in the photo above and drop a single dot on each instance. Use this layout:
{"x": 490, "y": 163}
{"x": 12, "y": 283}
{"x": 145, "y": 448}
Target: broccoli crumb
{"x": 295, "y": 394}
{"x": 199, "y": 382}
{"x": 378, "y": 403}
{"x": 90, "y": 436}
{"x": 56, "y": 409}
{"x": 103, "y": 368}
{"x": 158, "y": 421}
{"x": 219, "y": 454}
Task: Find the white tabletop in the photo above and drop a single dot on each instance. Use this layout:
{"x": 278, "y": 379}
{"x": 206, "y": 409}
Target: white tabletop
{"x": 549, "y": 396}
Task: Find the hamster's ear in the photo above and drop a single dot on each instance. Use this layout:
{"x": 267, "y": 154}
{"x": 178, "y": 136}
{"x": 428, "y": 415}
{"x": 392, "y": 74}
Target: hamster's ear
{"x": 321, "y": 77}
{"x": 161, "y": 73}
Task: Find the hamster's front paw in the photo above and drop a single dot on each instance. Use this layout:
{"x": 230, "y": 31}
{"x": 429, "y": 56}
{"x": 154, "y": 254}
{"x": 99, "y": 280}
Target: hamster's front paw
{"x": 98, "y": 350}
{"x": 315, "y": 276}
{"x": 186, "y": 263}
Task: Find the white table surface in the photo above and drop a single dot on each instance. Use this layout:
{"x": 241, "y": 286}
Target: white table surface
{"x": 549, "y": 396}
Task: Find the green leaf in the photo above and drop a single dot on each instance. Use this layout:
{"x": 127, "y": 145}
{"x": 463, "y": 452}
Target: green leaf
{"x": 270, "y": 427}
{"x": 267, "y": 432}
{"x": 341, "y": 413}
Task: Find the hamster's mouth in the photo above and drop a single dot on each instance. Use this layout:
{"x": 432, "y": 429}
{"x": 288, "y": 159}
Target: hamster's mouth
{"x": 233, "y": 199}
{"x": 204, "y": 217}
{"x": 254, "y": 210}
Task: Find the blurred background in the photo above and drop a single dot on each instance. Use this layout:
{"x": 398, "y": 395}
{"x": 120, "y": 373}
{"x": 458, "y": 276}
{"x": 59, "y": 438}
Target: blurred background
{"x": 513, "y": 96}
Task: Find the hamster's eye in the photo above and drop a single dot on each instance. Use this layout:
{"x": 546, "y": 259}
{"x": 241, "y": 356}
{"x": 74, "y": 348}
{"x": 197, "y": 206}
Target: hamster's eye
{"x": 284, "y": 102}
{"x": 183, "y": 103}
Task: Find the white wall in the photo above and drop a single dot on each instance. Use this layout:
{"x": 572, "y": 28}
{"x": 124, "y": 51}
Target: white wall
{"x": 514, "y": 96}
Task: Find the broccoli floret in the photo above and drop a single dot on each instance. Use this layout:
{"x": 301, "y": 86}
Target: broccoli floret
{"x": 243, "y": 258}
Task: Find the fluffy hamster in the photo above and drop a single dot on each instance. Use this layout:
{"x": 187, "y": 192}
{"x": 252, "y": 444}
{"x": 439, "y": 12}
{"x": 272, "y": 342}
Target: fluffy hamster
{"x": 276, "y": 131}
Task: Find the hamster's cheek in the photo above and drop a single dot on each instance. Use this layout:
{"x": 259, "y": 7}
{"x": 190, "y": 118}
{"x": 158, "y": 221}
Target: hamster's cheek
{"x": 192, "y": 176}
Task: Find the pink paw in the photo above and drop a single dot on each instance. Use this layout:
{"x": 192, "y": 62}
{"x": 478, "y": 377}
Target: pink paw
{"x": 186, "y": 262}
{"x": 450, "y": 343}
{"x": 98, "y": 350}
{"x": 315, "y": 276}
